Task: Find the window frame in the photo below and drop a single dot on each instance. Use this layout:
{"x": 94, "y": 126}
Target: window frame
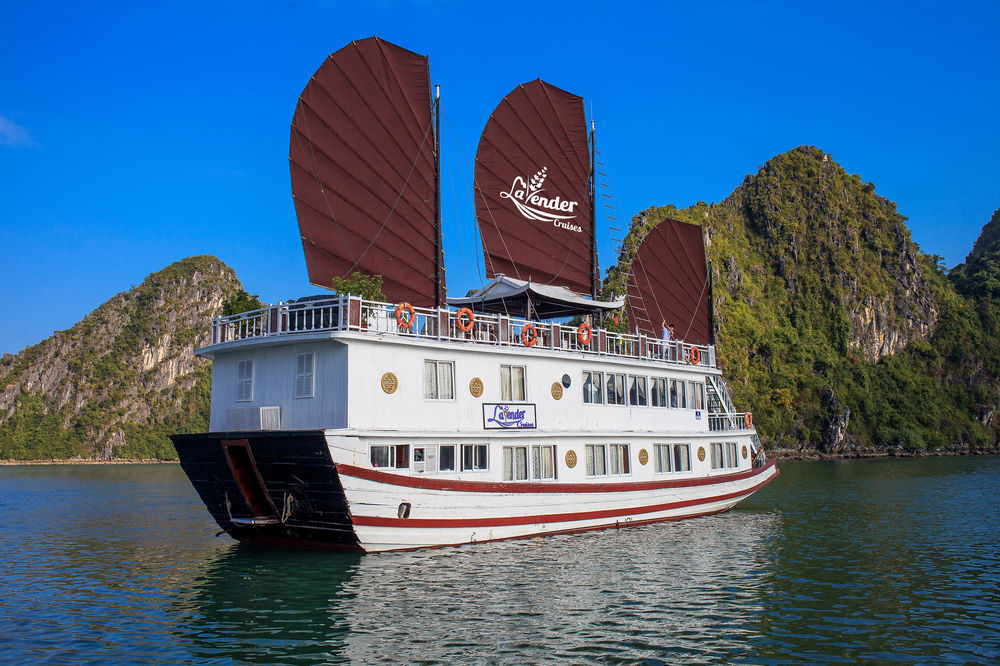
{"x": 394, "y": 452}
{"x": 588, "y": 379}
{"x": 242, "y": 381}
{"x": 438, "y": 364}
{"x": 475, "y": 464}
{"x": 441, "y": 450}
{"x": 299, "y": 374}
{"x": 507, "y": 371}
{"x": 514, "y": 452}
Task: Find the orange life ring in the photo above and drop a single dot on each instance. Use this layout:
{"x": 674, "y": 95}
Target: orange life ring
{"x": 694, "y": 356}
{"x": 529, "y": 341}
{"x": 748, "y": 420}
{"x": 465, "y": 314}
{"x": 584, "y": 334}
{"x": 407, "y": 323}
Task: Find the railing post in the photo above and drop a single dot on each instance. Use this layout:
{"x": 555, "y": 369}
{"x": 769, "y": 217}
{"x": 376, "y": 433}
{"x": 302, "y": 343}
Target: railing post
{"x": 554, "y": 331}
{"x": 444, "y": 323}
{"x": 354, "y": 312}
{"x": 602, "y": 342}
{"x": 272, "y": 320}
{"x": 642, "y": 346}
{"x": 503, "y": 326}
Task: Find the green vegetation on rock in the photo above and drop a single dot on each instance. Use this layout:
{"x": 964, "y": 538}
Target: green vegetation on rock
{"x": 123, "y": 379}
{"x": 832, "y": 326}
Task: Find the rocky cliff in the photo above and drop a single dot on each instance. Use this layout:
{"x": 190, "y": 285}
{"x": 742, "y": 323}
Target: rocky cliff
{"x": 122, "y": 379}
{"x": 832, "y": 325}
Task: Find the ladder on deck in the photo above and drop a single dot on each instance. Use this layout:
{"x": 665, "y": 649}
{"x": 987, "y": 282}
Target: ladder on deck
{"x": 719, "y": 401}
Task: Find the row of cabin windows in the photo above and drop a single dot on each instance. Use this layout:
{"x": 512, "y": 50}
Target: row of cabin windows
{"x": 472, "y": 457}
{"x": 621, "y": 389}
{"x": 539, "y": 462}
{"x": 724, "y": 455}
{"x": 439, "y": 381}
{"x": 305, "y": 374}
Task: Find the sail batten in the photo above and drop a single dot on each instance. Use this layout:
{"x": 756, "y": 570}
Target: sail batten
{"x": 362, "y": 166}
{"x": 668, "y": 282}
{"x": 532, "y": 185}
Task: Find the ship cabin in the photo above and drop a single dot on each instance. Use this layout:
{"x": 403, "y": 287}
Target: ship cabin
{"x": 476, "y": 392}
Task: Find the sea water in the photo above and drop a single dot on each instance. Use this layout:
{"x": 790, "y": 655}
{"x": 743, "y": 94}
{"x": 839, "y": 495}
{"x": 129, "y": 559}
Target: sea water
{"x": 879, "y": 560}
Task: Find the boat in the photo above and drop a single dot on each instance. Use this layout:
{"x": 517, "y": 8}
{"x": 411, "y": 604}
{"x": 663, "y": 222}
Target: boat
{"x": 415, "y": 420}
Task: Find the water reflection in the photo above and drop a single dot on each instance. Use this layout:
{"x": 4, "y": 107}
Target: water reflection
{"x": 663, "y": 592}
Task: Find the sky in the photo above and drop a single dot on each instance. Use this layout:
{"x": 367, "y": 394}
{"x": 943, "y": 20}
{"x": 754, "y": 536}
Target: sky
{"x": 134, "y": 134}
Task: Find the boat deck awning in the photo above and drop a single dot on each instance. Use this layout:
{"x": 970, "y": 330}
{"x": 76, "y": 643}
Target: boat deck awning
{"x": 505, "y": 295}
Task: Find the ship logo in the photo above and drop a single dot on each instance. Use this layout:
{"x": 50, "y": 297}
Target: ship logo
{"x": 531, "y": 203}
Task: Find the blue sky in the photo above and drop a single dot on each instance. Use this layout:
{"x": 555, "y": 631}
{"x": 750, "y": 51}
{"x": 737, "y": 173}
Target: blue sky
{"x": 133, "y": 134}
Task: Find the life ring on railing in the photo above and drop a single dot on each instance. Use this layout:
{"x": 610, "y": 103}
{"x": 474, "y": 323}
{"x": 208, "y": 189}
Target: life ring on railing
{"x": 584, "y": 334}
{"x": 694, "y": 356}
{"x": 465, "y": 314}
{"x": 529, "y": 340}
{"x": 748, "y": 420}
{"x": 405, "y": 323}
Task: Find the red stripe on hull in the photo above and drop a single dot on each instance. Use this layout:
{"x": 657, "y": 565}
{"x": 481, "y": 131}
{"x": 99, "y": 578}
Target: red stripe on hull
{"x": 375, "y": 521}
{"x": 500, "y": 487}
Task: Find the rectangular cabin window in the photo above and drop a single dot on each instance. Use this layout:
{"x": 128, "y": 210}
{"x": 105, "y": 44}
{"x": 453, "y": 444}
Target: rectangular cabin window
{"x": 616, "y": 389}
{"x": 718, "y": 462}
{"x": 244, "y": 381}
{"x": 446, "y": 458}
{"x": 682, "y": 458}
{"x": 658, "y": 392}
{"x": 593, "y": 387}
{"x": 682, "y": 402}
{"x": 515, "y": 463}
{"x": 732, "y": 460}
{"x": 696, "y": 395}
{"x": 661, "y": 456}
{"x": 596, "y": 460}
{"x": 636, "y": 391}
{"x": 304, "y": 383}
{"x": 512, "y": 383}
{"x": 543, "y": 462}
{"x": 474, "y": 457}
{"x": 673, "y": 393}
{"x": 439, "y": 381}
{"x": 618, "y": 462}
{"x": 393, "y": 456}
{"x": 672, "y": 457}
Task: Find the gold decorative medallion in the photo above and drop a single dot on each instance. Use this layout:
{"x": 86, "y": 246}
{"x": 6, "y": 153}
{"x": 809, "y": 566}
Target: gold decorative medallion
{"x": 744, "y": 452}
{"x": 643, "y": 457}
{"x": 476, "y": 387}
{"x": 571, "y": 459}
{"x": 701, "y": 453}
{"x": 389, "y": 383}
{"x": 557, "y": 391}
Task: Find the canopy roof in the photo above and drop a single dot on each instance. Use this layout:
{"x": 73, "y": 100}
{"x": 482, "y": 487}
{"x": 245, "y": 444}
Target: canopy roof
{"x": 505, "y": 295}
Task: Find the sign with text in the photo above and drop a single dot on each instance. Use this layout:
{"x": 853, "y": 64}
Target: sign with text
{"x": 508, "y": 416}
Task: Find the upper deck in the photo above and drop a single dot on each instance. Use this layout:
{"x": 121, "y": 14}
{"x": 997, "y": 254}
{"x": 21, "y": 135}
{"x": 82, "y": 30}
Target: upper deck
{"x": 350, "y": 313}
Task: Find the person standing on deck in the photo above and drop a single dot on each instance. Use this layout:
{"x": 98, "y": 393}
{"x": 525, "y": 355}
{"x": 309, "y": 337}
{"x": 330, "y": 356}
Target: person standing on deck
{"x": 665, "y": 336}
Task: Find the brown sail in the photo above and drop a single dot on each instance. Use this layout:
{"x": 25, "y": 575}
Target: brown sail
{"x": 669, "y": 282}
{"x": 361, "y": 158}
{"x": 533, "y": 199}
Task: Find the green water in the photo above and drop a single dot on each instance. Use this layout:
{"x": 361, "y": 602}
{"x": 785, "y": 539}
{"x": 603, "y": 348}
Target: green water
{"x": 887, "y": 560}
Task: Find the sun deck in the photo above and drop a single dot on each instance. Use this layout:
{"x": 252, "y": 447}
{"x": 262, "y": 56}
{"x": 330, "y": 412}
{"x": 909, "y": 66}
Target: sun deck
{"x": 349, "y": 313}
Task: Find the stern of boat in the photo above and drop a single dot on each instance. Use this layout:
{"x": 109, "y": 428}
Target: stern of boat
{"x": 278, "y": 488}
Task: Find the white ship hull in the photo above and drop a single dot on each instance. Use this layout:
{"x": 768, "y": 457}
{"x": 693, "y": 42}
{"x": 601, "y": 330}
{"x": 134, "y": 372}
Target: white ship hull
{"x": 455, "y": 513}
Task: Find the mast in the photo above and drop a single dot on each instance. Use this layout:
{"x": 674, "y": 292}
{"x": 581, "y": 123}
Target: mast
{"x": 438, "y": 248}
{"x": 594, "y": 273}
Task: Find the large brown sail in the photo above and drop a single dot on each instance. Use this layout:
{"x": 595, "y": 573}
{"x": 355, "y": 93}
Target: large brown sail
{"x": 362, "y": 170}
{"x": 533, "y": 198}
{"x": 669, "y": 282}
